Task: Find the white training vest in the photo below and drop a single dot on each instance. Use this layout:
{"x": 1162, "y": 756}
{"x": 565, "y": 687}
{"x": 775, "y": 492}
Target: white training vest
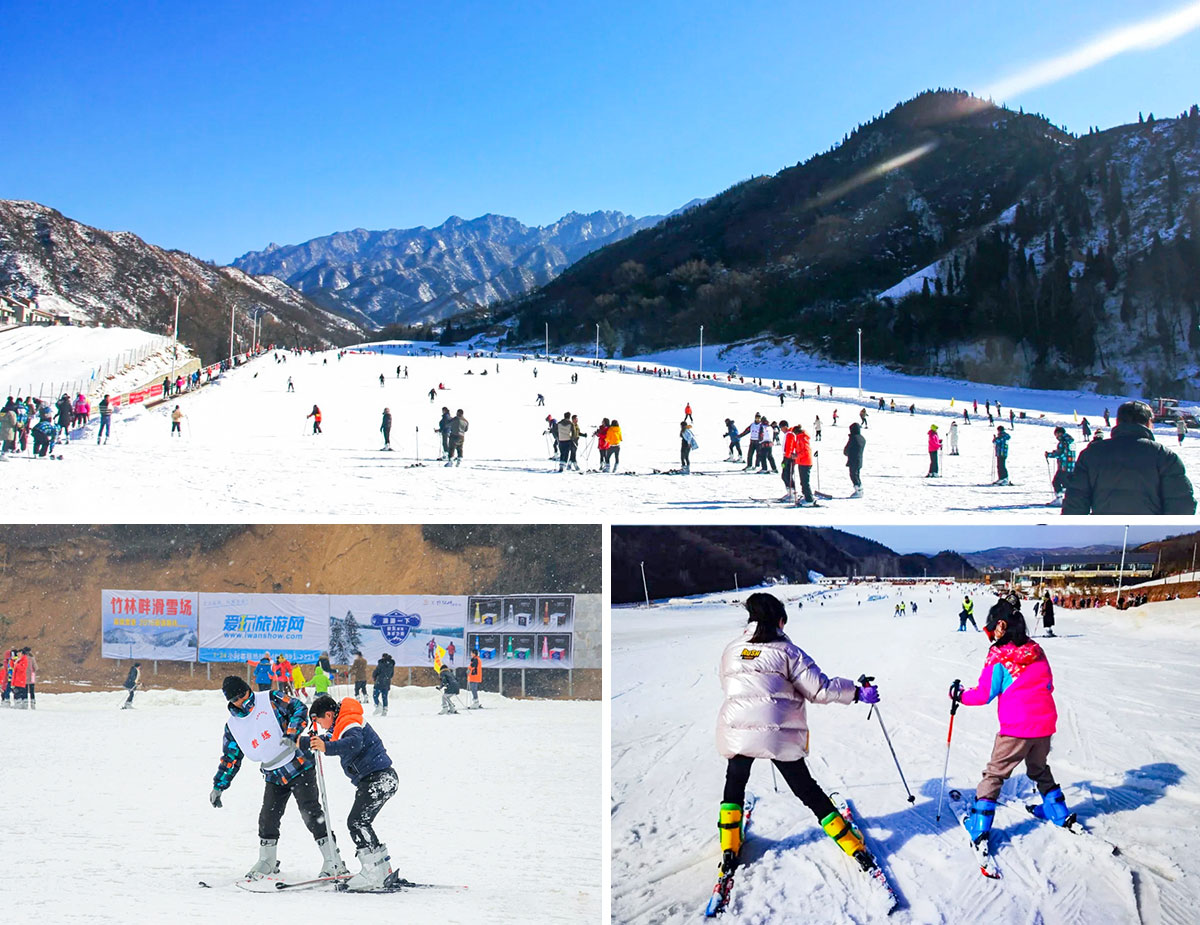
{"x": 258, "y": 734}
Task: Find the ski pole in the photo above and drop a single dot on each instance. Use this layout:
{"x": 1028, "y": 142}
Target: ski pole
{"x": 865, "y": 680}
{"x": 324, "y": 798}
{"x": 416, "y": 444}
{"x": 817, "y": 460}
{"x": 774, "y": 780}
{"x": 946, "y": 767}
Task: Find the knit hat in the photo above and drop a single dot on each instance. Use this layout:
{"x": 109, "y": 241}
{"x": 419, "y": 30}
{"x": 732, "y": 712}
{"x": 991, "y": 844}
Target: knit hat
{"x": 233, "y": 687}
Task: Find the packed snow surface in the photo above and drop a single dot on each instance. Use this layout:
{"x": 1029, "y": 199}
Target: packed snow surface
{"x": 35, "y": 357}
{"x": 1126, "y": 755}
{"x": 247, "y": 450}
{"x": 505, "y": 800}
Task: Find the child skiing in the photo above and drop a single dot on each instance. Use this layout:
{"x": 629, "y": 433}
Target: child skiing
{"x": 1065, "y": 454}
{"x": 365, "y": 761}
{"x": 449, "y": 687}
{"x": 1015, "y": 671}
{"x": 768, "y": 681}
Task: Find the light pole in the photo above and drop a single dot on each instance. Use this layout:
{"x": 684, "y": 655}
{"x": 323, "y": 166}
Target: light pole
{"x": 232, "y": 309}
{"x": 547, "y": 341}
{"x": 1121, "y": 571}
{"x": 702, "y": 351}
{"x": 860, "y": 362}
{"x": 645, "y": 589}
{"x": 175, "y": 340}
{"x": 597, "y": 344}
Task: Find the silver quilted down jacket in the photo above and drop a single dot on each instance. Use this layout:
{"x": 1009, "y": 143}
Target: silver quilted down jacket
{"x": 766, "y": 685}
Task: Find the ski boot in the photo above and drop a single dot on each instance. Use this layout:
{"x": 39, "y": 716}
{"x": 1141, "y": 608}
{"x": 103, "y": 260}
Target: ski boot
{"x": 1053, "y": 808}
{"x": 375, "y": 869}
{"x": 857, "y": 493}
{"x": 729, "y": 824}
{"x": 848, "y": 838}
{"x": 267, "y": 863}
{"x": 333, "y": 865}
{"x": 979, "y": 821}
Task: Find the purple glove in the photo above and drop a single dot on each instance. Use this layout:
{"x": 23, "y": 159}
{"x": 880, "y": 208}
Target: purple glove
{"x": 868, "y": 693}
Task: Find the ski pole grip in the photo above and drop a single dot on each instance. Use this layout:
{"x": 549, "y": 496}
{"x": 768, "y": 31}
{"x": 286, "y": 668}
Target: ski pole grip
{"x": 865, "y": 680}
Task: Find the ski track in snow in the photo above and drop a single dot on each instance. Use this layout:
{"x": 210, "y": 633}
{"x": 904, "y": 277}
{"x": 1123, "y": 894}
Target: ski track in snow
{"x": 506, "y": 800}
{"x": 1125, "y": 753}
{"x": 247, "y": 450}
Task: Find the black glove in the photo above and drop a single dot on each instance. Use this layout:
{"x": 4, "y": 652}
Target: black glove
{"x": 215, "y": 798}
{"x": 304, "y": 743}
{"x": 956, "y": 691}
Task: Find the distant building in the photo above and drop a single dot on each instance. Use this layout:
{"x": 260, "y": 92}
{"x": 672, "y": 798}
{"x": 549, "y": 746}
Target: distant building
{"x": 15, "y": 310}
{"x": 1087, "y": 568}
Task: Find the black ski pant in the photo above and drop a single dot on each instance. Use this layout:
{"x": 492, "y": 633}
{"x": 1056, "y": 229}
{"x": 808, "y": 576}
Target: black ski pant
{"x": 387, "y": 436}
{"x": 933, "y": 462}
{"x": 765, "y": 456}
{"x": 373, "y": 791}
{"x": 129, "y": 699}
{"x": 856, "y": 476}
{"x": 564, "y": 452}
{"x": 750, "y": 451}
{"x": 308, "y": 799}
{"x": 685, "y": 454}
{"x": 805, "y": 485}
{"x": 795, "y": 773}
{"x": 1060, "y": 481}
{"x": 789, "y": 475}
{"x": 360, "y": 687}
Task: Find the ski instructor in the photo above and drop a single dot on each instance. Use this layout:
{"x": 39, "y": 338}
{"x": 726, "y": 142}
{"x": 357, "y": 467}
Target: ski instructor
{"x": 768, "y": 681}
{"x": 265, "y": 727}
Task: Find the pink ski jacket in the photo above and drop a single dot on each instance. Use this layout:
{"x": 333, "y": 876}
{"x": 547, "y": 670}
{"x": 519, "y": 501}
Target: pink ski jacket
{"x": 767, "y": 685}
{"x": 935, "y": 442}
{"x": 1020, "y": 676}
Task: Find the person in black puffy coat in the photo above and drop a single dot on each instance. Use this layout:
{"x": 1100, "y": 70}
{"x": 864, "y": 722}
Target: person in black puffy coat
{"x": 382, "y": 678}
{"x": 1129, "y": 473}
{"x": 448, "y": 685}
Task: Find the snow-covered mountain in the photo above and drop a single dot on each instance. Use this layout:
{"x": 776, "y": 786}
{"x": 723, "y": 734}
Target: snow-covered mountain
{"x": 416, "y": 275}
{"x": 116, "y": 278}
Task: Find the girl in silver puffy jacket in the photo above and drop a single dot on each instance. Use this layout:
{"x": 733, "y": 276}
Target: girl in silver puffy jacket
{"x": 768, "y": 680}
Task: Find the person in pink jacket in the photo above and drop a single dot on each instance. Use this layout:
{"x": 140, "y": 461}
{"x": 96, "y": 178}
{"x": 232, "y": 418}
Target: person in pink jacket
{"x": 1017, "y": 673}
{"x": 935, "y": 447}
{"x": 768, "y": 681}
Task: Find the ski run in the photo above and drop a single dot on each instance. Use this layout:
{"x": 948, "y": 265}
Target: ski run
{"x": 1124, "y": 753}
{"x": 505, "y": 801}
{"x": 246, "y": 447}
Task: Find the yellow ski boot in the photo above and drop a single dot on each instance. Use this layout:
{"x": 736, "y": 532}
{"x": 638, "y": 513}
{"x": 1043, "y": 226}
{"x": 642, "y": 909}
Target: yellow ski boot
{"x": 729, "y": 825}
{"x": 848, "y": 839}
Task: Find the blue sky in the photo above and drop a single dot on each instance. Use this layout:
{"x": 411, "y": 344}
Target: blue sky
{"x": 973, "y": 539}
{"x": 218, "y": 127}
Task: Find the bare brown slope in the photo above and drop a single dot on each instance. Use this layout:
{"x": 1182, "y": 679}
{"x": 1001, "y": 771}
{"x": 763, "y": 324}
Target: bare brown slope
{"x": 51, "y": 578}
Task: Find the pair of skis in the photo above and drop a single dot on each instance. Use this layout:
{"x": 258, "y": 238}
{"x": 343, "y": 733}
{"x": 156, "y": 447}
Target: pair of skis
{"x": 393, "y": 884}
{"x": 723, "y": 889}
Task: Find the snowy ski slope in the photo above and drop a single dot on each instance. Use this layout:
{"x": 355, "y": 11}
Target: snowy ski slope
{"x": 248, "y": 452}
{"x": 1126, "y": 753}
{"x": 505, "y": 800}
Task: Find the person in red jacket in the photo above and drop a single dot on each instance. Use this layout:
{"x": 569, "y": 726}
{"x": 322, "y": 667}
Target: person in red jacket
{"x": 601, "y": 436}
{"x": 789, "y": 462}
{"x": 804, "y": 462}
{"x": 20, "y": 678}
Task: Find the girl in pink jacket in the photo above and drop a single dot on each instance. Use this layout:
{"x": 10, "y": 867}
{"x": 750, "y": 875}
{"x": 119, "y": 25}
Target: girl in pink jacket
{"x": 767, "y": 682}
{"x": 1017, "y": 673}
{"x": 935, "y": 447}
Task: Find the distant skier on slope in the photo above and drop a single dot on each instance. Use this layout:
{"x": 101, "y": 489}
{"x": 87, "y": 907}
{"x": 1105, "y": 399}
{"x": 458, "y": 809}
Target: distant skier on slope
{"x": 265, "y": 727}
{"x": 386, "y": 428}
{"x": 1017, "y": 672}
{"x": 935, "y": 447}
{"x": 767, "y": 681}
{"x": 1065, "y": 454}
{"x": 315, "y": 414}
{"x": 856, "y": 443}
{"x": 1000, "y": 445}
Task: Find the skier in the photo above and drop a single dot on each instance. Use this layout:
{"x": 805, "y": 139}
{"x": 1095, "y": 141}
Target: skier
{"x": 358, "y": 674}
{"x": 321, "y": 679}
{"x": 381, "y": 380}
{"x": 687, "y": 412}
{"x": 1107, "y": 421}
{"x": 789, "y": 463}
{"x": 443, "y": 428}
{"x": 1065, "y": 454}
{"x": 291, "y": 385}
{"x": 365, "y": 761}
{"x": 30, "y": 676}
{"x": 474, "y": 679}
{"x": 541, "y": 400}
{"x": 20, "y": 680}
{"x": 1181, "y": 429}
{"x": 458, "y": 435}
{"x": 817, "y": 428}
{"x": 105, "y": 430}
{"x": 1016, "y": 671}
{"x": 1048, "y": 614}
{"x": 835, "y": 413}
{"x": 853, "y": 451}
{"x": 804, "y": 463}
{"x": 386, "y": 428}
{"x": 315, "y": 414}
{"x": 614, "y": 444}
{"x": 8, "y": 427}
{"x": 766, "y": 444}
{"x": 563, "y": 432}
{"x": 381, "y": 676}
{"x": 65, "y": 413}
{"x": 954, "y": 438}
{"x": 601, "y": 435}
{"x": 299, "y": 684}
{"x": 687, "y": 443}
{"x": 735, "y": 441}
{"x": 266, "y": 727}
{"x": 432, "y": 395}
{"x": 1085, "y": 428}
{"x": 755, "y": 432}
{"x": 767, "y": 681}
{"x": 1000, "y": 443}
{"x": 967, "y": 613}
{"x": 177, "y": 422}
{"x": 862, "y": 417}
{"x": 935, "y": 446}
{"x": 263, "y": 673}
{"x": 449, "y": 687}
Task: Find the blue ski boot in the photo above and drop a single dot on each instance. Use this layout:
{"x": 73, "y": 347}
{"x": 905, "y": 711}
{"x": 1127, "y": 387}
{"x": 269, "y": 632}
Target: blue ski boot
{"x": 1053, "y": 808}
{"x": 979, "y": 822}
